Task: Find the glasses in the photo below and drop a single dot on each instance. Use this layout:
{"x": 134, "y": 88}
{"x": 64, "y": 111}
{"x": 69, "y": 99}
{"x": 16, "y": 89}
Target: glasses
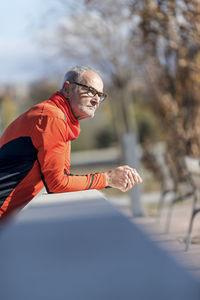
{"x": 92, "y": 91}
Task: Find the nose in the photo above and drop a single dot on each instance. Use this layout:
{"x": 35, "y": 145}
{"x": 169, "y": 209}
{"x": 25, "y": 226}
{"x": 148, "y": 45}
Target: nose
{"x": 95, "y": 99}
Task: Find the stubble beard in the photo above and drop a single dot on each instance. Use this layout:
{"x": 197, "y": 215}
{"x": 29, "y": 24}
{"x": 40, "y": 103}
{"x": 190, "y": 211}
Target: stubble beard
{"x": 88, "y": 111}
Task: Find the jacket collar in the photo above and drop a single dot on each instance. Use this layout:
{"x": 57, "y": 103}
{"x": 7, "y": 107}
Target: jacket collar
{"x": 71, "y": 120}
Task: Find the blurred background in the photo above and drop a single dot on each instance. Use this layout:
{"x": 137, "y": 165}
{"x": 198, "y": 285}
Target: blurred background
{"x": 148, "y": 53}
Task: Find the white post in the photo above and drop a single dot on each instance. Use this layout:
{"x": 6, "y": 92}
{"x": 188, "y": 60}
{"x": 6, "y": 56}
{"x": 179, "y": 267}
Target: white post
{"x": 131, "y": 157}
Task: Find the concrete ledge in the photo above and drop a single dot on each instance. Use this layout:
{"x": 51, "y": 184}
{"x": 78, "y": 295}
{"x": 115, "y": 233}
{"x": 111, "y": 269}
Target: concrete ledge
{"x": 53, "y": 199}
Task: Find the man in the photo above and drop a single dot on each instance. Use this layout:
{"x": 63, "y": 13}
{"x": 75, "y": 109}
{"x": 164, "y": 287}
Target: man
{"x": 35, "y": 148}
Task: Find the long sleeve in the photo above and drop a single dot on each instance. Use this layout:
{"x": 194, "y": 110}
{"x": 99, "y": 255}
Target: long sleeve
{"x": 50, "y": 139}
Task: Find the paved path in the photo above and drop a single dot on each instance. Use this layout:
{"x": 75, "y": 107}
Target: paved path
{"x": 173, "y": 242}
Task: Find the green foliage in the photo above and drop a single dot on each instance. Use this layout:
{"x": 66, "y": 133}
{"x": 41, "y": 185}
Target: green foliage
{"x": 148, "y": 124}
{"x": 105, "y": 138}
{"x": 8, "y": 110}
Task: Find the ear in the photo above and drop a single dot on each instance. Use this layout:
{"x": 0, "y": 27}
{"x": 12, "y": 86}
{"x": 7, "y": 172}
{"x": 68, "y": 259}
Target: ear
{"x": 66, "y": 90}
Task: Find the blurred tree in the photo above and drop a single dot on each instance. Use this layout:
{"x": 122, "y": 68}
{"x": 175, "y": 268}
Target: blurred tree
{"x": 166, "y": 41}
{"x": 170, "y": 43}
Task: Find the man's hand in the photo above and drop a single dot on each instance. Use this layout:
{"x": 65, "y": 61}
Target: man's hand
{"x": 123, "y": 178}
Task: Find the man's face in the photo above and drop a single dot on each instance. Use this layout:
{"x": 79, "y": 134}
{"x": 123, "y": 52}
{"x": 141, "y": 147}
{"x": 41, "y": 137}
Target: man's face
{"x": 83, "y": 105}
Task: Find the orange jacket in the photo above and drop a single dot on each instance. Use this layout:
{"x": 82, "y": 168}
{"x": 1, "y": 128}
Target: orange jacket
{"x": 35, "y": 152}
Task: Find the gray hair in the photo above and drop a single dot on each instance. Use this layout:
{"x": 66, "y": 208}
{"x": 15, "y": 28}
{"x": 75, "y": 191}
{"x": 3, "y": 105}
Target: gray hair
{"x": 74, "y": 74}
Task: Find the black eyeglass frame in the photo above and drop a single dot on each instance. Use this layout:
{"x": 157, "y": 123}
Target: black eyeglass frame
{"x": 92, "y": 90}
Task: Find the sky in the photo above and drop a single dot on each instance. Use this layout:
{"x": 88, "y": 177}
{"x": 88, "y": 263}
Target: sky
{"x": 20, "y": 56}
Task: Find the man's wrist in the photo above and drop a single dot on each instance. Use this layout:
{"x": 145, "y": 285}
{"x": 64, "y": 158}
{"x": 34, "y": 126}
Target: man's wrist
{"x": 106, "y": 176}
{"x": 108, "y": 181}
